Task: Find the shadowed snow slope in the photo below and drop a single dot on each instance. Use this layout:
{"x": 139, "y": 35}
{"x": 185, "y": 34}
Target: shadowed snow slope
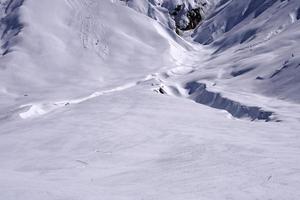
{"x": 10, "y": 25}
{"x": 262, "y": 35}
{"x": 82, "y": 116}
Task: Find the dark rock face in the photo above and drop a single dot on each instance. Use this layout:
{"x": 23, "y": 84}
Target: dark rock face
{"x": 183, "y": 15}
{"x": 192, "y": 17}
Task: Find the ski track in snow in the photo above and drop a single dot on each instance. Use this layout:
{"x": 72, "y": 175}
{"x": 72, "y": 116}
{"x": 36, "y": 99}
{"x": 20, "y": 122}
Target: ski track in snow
{"x": 38, "y": 109}
{"x": 92, "y": 33}
{"x": 42, "y": 108}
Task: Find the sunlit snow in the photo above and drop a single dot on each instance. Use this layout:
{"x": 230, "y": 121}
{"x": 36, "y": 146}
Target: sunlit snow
{"x": 108, "y": 100}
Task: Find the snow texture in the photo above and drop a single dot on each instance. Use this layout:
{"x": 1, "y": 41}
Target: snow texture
{"x": 102, "y": 99}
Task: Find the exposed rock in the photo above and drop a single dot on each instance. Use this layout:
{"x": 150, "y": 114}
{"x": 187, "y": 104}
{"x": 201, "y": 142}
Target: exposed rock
{"x": 186, "y": 19}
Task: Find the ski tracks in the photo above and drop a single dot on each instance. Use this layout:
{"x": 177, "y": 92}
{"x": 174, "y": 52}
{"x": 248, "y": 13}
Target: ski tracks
{"x": 92, "y": 31}
{"x": 42, "y": 108}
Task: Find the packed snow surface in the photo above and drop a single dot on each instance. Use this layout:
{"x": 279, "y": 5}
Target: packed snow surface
{"x": 102, "y": 99}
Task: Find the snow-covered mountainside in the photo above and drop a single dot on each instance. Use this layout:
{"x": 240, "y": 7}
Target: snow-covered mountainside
{"x": 261, "y": 37}
{"x": 149, "y": 99}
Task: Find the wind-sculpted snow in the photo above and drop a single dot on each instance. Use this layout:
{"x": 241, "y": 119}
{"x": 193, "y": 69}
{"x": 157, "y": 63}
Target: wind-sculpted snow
{"x": 234, "y": 22}
{"x": 241, "y": 29}
{"x": 199, "y": 93}
{"x": 229, "y": 14}
{"x": 257, "y": 35}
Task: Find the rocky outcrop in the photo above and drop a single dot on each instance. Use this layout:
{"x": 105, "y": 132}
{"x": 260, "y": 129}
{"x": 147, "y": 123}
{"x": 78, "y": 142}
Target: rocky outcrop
{"x": 186, "y": 19}
{"x": 179, "y": 15}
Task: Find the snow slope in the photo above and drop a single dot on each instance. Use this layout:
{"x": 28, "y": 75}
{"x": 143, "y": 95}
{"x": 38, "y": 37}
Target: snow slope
{"x": 101, "y": 99}
{"x": 261, "y": 38}
{"x": 80, "y": 49}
